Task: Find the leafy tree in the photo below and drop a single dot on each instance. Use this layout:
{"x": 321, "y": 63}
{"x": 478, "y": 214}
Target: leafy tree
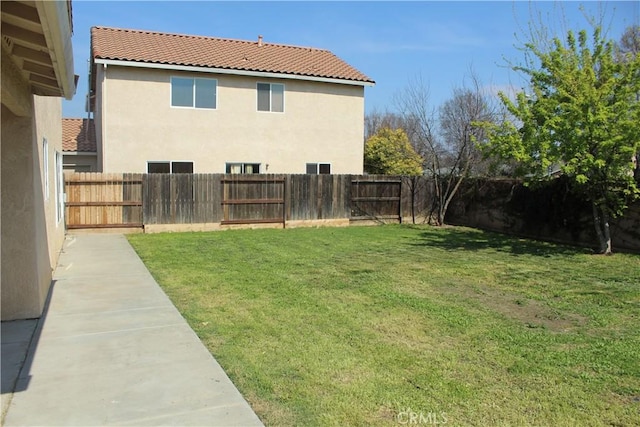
{"x": 389, "y": 152}
{"x": 581, "y": 117}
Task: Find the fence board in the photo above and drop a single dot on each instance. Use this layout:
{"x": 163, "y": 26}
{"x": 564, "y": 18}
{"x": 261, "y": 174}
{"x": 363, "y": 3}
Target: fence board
{"x": 299, "y": 206}
{"x": 183, "y": 194}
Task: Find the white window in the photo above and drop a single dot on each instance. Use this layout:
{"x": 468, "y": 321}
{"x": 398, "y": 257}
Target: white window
{"x": 45, "y": 167}
{"x": 59, "y": 188}
{"x": 169, "y": 167}
{"x": 271, "y": 97}
{"x": 194, "y": 93}
{"x": 243, "y": 168}
{"x": 318, "y": 168}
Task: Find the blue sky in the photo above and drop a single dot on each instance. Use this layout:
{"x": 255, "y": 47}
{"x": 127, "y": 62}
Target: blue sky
{"x": 391, "y": 42}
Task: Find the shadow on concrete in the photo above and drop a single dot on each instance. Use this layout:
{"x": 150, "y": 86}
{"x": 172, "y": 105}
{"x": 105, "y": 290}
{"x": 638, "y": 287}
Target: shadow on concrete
{"x": 111, "y": 349}
{"x": 19, "y": 342}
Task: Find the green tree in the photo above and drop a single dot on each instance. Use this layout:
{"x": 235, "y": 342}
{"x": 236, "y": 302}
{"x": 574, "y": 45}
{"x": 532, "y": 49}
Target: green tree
{"x": 388, "y": 152}
{"x": 583, "y": 117}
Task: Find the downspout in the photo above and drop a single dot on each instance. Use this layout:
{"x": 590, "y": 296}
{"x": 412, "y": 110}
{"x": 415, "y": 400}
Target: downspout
{"x": 103, "y": 112}
{"x": 86, "y": 129}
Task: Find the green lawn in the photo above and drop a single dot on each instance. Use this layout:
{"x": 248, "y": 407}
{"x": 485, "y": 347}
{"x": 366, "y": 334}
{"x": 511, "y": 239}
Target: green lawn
{"x": 392, "y": 324}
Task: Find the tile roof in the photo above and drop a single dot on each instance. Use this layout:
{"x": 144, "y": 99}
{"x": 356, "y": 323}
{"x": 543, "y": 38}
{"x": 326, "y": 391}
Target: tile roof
{"x": 198, "y": 51}
{"x": 75, "y": 136}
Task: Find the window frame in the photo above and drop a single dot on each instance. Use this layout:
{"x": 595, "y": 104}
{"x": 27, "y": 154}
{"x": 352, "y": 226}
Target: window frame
{"x": 243, "y": 165}
{"x": 169, "y": 163}
{"x": 158, "y": 162}
{"x": 60, "y": 195}
{"x": 194, "y": 92}
{"x": 270, "y": 110}
{"x": 182, "y": 162}
{"x": 45, "y": 167}
{"x": 318, "y": 166}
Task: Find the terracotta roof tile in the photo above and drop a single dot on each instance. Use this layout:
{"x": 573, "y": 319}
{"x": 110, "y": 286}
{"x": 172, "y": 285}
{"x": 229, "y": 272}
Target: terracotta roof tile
{"x": 75, "y": 136}
{"x": 198, "y": 51}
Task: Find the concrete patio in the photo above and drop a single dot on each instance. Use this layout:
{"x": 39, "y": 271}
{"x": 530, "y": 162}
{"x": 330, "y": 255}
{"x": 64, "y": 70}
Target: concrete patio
{"x": 111, "y": 349}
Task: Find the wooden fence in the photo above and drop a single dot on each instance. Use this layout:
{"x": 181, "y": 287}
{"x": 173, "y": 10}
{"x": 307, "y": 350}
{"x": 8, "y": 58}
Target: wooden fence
{"x": 376, "y": 199}
{"x": 103, "y": 200}
{"x": 318, "y": 197}
{"x": 253, "y": 199}
{"x": 99, "y": 200}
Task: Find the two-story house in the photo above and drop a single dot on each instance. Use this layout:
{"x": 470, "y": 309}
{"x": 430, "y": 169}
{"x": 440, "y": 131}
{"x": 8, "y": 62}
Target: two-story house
{"x": 182, "y": 103}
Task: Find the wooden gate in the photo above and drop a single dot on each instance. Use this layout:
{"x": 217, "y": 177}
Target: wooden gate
{"x": 248, "y": 199}
{"x": 376, "y": 199}
{"x": 103, "y": 200}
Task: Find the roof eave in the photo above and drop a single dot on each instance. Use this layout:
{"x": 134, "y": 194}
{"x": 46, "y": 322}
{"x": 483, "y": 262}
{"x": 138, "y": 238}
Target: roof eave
{"x": 213, "y": 70}
{"x": 56, "y": 25}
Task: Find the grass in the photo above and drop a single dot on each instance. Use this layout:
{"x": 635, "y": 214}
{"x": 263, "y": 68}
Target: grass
{"x": 375, "y": 325}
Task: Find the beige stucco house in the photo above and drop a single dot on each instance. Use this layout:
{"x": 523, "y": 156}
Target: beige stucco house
{"x": 180, "y": 103}
{"x": 37, "y": 71}
{"x": 79, "y": 145}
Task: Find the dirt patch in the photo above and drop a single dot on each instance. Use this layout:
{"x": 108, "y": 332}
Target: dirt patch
{"x": 386, "y": 413}
{"x": 270, "y": 413}
{"x": 407, "y": 328}
{"x": 532, "y": 313}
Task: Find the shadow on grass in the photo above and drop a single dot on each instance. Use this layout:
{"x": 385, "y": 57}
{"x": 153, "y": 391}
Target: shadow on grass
{"x": 464, "y": 239}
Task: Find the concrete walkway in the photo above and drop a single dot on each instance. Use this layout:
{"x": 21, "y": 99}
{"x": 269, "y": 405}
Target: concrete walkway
{"x": 112, "y": 349}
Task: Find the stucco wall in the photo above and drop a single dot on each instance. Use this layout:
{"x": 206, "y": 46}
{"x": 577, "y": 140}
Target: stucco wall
{"x": 48, "y": 124}
{"x": 322, "y": 122}
{"x": 31, "y": 235}
{"x": 21, "y": 258}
